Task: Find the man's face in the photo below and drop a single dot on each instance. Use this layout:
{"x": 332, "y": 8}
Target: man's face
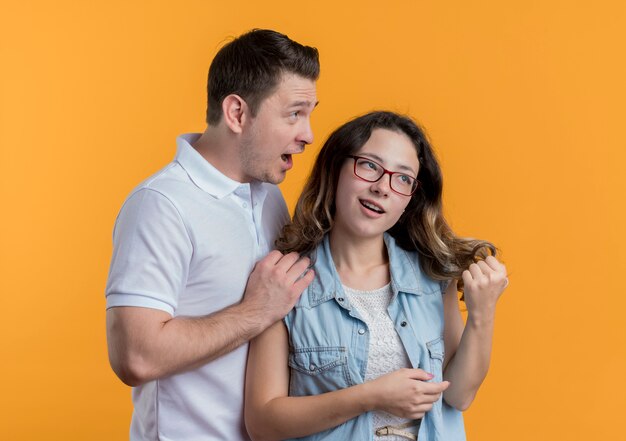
{"x": 281, "y": 128}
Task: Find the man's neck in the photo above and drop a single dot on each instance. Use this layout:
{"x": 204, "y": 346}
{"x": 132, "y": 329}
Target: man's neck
{"x": 220, "y": 150}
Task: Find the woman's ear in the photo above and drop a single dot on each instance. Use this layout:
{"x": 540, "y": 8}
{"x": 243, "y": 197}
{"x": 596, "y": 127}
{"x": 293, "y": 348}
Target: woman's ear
{"x": 235, "y": 111}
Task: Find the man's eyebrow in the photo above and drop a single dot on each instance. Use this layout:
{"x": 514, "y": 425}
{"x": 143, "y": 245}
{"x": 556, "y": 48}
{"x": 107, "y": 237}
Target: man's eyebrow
{"x": 303, "y": 104}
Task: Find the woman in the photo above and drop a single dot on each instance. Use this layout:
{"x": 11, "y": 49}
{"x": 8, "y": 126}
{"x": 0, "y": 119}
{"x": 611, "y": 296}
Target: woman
{"x": 361, "y": 356}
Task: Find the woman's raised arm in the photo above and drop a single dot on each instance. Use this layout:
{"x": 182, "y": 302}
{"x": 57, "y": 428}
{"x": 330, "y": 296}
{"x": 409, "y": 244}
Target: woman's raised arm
{"x": 468, "y": 348}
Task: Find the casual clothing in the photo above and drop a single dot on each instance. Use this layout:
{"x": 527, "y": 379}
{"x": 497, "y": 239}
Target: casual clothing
{"x": 385, "y": 352}
{"x": 185, "y": 242}
{"x": 329, "y": 340}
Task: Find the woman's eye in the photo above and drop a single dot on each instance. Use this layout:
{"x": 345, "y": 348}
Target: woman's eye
{"x": 371, "y": 165}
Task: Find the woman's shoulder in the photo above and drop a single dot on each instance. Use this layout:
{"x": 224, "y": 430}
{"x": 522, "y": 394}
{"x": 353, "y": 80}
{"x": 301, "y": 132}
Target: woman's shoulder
{"x": 407, "y": 269}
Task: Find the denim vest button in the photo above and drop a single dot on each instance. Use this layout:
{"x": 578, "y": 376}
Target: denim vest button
{"x": 403, "y": 324}
{"x": 340, "y": 299}
{"x": 361, "y": 331}
{"x": 312, "y": 367}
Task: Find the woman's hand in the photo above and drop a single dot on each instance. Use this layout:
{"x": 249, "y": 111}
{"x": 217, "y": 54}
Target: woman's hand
{"x": 405, "y": 393}
{"x": 484, "y": 283}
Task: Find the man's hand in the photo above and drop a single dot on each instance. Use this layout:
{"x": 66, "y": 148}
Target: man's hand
{"x": 275, "y": 285}
{"x": 139, "y": 338}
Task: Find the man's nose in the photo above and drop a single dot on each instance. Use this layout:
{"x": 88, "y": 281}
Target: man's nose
{"x": 306, "y": 134}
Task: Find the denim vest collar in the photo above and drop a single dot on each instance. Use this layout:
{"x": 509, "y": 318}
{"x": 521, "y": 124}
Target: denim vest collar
{"x": 326, "y": 285}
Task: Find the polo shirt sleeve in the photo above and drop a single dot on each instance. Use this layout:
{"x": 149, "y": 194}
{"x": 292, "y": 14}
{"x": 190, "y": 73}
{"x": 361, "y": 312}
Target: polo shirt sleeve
{"x": 151, "y": 254}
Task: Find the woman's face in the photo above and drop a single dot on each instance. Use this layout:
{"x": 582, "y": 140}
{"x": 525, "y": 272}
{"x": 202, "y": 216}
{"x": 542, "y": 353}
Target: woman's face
{"x": 368, "y": 209}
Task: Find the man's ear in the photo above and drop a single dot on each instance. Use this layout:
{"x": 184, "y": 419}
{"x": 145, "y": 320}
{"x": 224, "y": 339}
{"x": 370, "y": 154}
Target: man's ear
{"x": 235, "y": 111}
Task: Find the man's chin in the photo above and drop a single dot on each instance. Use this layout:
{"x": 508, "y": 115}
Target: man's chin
{"x": 275, "y": 178}
{"x": 278, "y": 179}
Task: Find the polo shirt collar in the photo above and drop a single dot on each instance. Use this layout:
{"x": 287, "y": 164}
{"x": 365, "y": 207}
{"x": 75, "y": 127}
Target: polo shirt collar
{"x": 201, "y": 171}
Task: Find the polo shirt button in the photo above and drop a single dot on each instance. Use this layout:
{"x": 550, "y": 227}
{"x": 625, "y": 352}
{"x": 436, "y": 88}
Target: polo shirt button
{"x": 340, "y": 299}
{"x": 361, "y": 331}
{"x": 245, "y": 205}
{"x": 403, "y": 324}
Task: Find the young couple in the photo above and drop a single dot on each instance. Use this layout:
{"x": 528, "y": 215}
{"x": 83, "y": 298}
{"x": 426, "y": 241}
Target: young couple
{"x": 354, "y": 324}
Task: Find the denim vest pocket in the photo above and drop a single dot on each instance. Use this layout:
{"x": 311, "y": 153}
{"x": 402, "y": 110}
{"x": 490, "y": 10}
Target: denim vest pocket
{"x": 436, "y": 353}
{"x": 317, "y": 370}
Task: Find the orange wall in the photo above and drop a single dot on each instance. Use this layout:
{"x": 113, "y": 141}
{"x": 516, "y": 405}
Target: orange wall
{"x": 523, "y": 100}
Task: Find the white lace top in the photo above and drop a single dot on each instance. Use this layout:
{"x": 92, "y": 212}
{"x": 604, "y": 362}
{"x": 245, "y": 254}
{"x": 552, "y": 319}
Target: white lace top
{"x": 386, "y": 353}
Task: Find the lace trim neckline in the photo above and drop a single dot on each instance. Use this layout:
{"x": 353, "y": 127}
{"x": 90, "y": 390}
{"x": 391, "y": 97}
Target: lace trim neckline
{"x": 372, "y": 291}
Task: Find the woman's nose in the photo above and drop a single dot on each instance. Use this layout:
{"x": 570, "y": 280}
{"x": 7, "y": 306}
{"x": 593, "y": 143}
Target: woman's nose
{"x": 382, "y": 185}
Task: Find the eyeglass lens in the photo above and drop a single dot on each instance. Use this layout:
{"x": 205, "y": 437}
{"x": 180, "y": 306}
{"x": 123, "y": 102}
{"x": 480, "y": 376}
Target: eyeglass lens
{"x": 372, "y": 171}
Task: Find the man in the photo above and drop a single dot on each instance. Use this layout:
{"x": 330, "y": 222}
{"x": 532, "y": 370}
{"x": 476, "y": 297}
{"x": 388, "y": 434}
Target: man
{"x": 180, "y": 305}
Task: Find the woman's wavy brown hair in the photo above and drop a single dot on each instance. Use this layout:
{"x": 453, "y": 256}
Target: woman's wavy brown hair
{"x": 422, "y": 227}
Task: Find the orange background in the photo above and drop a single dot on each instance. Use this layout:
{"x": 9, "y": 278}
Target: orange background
{"x": 523, "y": 100}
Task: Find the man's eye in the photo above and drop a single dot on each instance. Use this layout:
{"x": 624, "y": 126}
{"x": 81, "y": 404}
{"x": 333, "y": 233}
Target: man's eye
{"x": 294, "y": 115}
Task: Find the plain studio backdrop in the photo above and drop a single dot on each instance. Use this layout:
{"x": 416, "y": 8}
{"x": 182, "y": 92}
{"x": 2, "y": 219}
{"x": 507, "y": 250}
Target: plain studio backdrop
{"x": 523, "y": 102}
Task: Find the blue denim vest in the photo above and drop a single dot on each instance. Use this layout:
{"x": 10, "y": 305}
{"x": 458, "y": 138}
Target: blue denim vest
{"x": 329, "y": 341}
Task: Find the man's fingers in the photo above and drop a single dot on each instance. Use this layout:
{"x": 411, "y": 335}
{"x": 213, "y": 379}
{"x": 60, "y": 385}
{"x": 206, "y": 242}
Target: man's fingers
{"x": 287, "y": 261}
{"x": 298, "y": 268}
{"x": 272, "y": 258}
{"x": 305, "y": 281}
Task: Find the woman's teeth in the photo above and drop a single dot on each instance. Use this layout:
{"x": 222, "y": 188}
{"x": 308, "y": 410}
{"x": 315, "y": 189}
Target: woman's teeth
{"x": 372, "y": 207}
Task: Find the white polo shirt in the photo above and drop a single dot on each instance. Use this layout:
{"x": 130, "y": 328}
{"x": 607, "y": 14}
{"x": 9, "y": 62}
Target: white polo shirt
{"x": 185, "y": 242}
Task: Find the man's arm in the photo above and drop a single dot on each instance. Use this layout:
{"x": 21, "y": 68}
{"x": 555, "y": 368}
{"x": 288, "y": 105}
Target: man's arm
{"x": 149, "y": 269}
{"x": 145, "y": 344}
